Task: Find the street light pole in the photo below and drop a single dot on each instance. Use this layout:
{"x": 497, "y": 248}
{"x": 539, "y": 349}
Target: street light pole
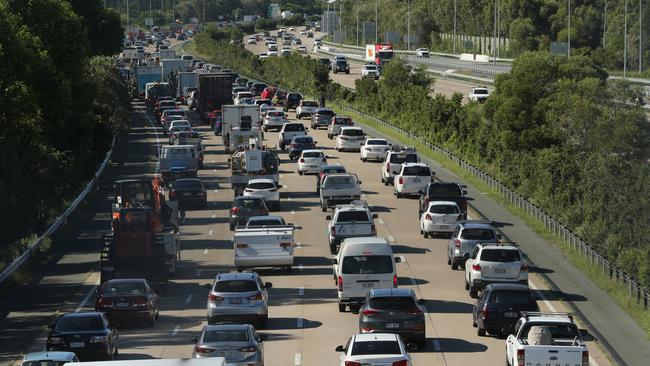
{"x": 625, "y": 44}
{"x": 640, "y": 28}
{"x": 357, "y": 25}
{"x": 376, "y": 21}
{"x": 203, "y": 9}
{"x": 605, "y": 25}
{"x": 569, "y": 33}
{"x": 454, "y": 38}
{"x": 494, "y": 44}
{"x": 127, "y": 16}
{"x": 408, "y": 26}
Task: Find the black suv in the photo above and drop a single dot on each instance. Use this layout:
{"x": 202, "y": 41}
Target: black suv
{"x": 443, "y": 191}
{"x": 340, "y": 65}
{"x": 292, "y": 101}
{"x": 500, "y": 306}
{"x": 245, "y": 207}
{"x": 325, "y": 62}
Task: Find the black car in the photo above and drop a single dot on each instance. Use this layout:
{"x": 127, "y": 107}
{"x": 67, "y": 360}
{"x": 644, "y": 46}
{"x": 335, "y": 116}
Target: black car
{"x": 499, "y": 308}
{"x": 189, "y": 192}
{"x": 327, "y": 169}
{"x": 128, "y": 299}
{"x": 341, "y": 65}
{"x": 325, "y": 62}
{"x": 245, "y": 207}
{"x": 443, "y": 191}
{"x": 300, "y": 143}
{"x": 257, "y": 89}
{"x": 291, "y": 101}
{"x": 89, "y": 335}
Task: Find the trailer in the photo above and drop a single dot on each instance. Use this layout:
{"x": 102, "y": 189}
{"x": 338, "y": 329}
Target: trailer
{"x": 215, "y": 90}
{"x": 253, "y": 164}
{"x": 379, "y": 53}
{"x": 145, "y": 75}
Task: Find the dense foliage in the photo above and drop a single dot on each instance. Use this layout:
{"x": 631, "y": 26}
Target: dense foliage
{"x": 62, "y": 101}
{"x": 554, "y": 130}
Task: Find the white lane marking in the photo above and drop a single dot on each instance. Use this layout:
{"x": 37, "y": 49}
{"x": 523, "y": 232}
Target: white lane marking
{"x": 214, "y": 216}
{"x": 381, "y": 221}
{"x": 215, "y": 170}
{"x": 298, "y": 245}
{"x": 363, "y": 196}
{"x": 86, "y": 298}
{"x": 210, "y": 232}
{"x": 300, "y": 267}
{"x": 280, "y": 175}
{"x": 285, "y": 187}
{"x": 157, "y": 141}
{"x": 175, "y": 330}
{"x": 198, "y": 273}
{"x": 216, "y": 191}
{"x": 188, "y": 299}
{"x": 299, "y": 322}
{"x": 301, "y": 291}
{"x": 205, "y": 251}
{"x": 213, "y": 161}
{"x": 402, "y": 258}
{"x": 290, "y": 199}
{"x": 297, "y": 359}
{"x": 293, "y": 212}
{"x": 436, "y": 345}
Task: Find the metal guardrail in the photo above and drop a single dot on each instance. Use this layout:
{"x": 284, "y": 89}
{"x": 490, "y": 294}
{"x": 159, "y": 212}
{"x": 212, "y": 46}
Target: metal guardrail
{"x": 20, "y": 260}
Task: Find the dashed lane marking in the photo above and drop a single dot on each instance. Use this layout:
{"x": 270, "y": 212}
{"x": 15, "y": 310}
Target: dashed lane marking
{"x": 297, "y": 359}
{"x": 301, "y": 291}
{"x": 214, "y": 216}
{"x": 381, "y": 221}
{"x": 188, "y": 299}
{"x": 210, "y": 232}
{"x": 300, "y": 267}
{"x": 175, "y": 330}
{"x": 299, "y": 322}
{"x": 205, "y": 251}
{"x": 391, "y": 239}
{"x": 293, "y": 212}
{"x": 86, "y": 298}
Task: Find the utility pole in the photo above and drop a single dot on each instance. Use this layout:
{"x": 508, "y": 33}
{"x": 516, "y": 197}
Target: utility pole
{"x": 127, "y": 16}
{"x": 357, "y": 25}
{"x": 605, "y": 24}
{"x": 454, "y": 38}
{"x": 203, "y": 8}
{"x": 640, "y": 47}
{"x": 494, "y": 45}
{"x": 408, "y": 26}
{"x": 376, "y": 21}
{"x": 149, "y": 8}
{"x": 625, "y": 44}
{"x": 569, "y": 33}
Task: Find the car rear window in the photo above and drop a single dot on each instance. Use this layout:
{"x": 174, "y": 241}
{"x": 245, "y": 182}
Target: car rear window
{"x": 123, "y": 288}
{"x": 79, "y": 323}
{"x": 312, "y": 154}
{"x": 352, "y": 132}
{"x": 477, "y": 234}
{"x": 174, "y": 113}
{"x": 266, "y": 222}
{"x": 304, "y": 140}
{"x": 558, "y": 331}
{"x": 188, "y": 184}
{"x": 392, "y": 303}
{"x": 335, "y": 170}
{"x": 445, "y": 189}
{"x": 261, "y": 185}
{"x": 376, "y": 348}
{"x": 510, "y": 297}
{"x": 377, "y": 142}
{"x": 44, "y": 363}
{"x": 235, "y": 286}
{"x": 222, "y": 335}
{"x": 480, "y": 91}
{"x": 248, "y": 202}
{"x": 339, "y": 181}
{"x": 347, "y": 216}
{"x": 500, "y": 255}
{"x": 343, "y": 121}
{"x": 309, "y": 103}
{"x": 326, "y": 112}
{"x": 367, "y": 264}
{"x": 275, "y": 114}
{"x": 420, "y": 171}
{"x": 403, "y": 158}
{"x": 444, "y": 209}
{"x": 294, "y": 127}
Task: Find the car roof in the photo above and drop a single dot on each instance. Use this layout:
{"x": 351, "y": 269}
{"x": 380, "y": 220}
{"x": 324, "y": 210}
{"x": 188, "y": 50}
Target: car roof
{"x": 218, "y": 327}
{"x": 391, "y": 292}
{"x": 313, "y": 150}
{"x": 436, "y": 203}
{"x": 261, "y": 180}
{"x": 366, "y": 240}
{"x": 228, "y": 276}
{"x": 415, "y": 164}
{"x": 376, "y": 139}
{"x": 369, "y": 337}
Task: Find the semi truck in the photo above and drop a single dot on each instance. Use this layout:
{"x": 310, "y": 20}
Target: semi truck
{"x": 379, "y": 53}
{"x": 215, "y": 90}
{"x": 170, "y": 67}
{"x": 144, "y": 75}
{"x": 186, "y": 80}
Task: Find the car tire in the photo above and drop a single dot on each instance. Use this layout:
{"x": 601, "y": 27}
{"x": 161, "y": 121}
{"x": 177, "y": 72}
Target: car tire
{"x": 265, "y": 129}
{"x": 480, "y": 332}
{"x": 454, "y": 266}
{"x": 332, "y": 248}
{"x": 425, "y": 234}
{"x": 364, "y": 159}
{"x": 299, "y": 172}
{"x": 323, "y": 208}
{"x": 341, "y": 308}
{"x": 466, "y": 286}
{"x": 421, "y": 344}
{"x": 473, "y": 292}
{"x": 232, "y": 227}
{"x": 288, "y": 269}
{"x": 151, "y": 321}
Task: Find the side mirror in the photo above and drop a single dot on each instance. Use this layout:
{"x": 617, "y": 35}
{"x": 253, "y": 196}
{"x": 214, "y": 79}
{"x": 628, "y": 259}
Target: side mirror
{"x": 268, "y": 285}
{"x": 360, "y": 182}
{"x": 328, "y": 217}
{"x": 261, "y": 337}
{"x": 339, "y": 349}
{"x": 315, "y": 142}
{"x": 374, "y": 216}
{"x": 279, "y": 186}
{"x": 398, "y": 259}
{"x": 194, "y": 339}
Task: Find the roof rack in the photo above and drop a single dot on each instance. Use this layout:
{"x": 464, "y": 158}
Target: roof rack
{"x": 401, "y": 148}
{"x": 498, "y": 243}
{"x": 527, "y": 314}
{"x": 490, "y": 222}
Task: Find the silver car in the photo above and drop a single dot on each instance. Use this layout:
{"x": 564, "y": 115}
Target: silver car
{"x": 239, "y": 297}
{"x": 321, "y": 117}
{"x": 238, "y": 343}
{"x": 465, "y": 237}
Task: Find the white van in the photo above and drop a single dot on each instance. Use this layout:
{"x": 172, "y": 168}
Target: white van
{"x": 362, "y": 264}
{"x": 264, "y": 247}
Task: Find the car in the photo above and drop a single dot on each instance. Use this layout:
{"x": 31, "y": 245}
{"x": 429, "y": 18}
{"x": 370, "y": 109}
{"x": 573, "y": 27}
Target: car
{"x": 479, "y": 94}
{"x": 306, "y": 108}
{"x": 128, "y": 299}
{"x": 179, "y": 123}
{"x": 274, "y": 120}
{"x": 300, "y": 143}
{"x": 238, "y": 88}
{"x": 292, "y": 29}
{"x": 239, "y": 297}
{"x": 340, "y": 65}
{"x": 325, "y": 62}
{"x": 440, "y": 217}
{"x": 321, "y": 117}
{"x": 264, "y": 109}
{"x": 285, "y": 51}
{"x": 252, "y": 40}
{"x": 327, "y": 169}
{"x": 172, "y": 114}
{"x": 242, "y": 81}
{"x": 303, "y": 32}
{"x": 318, "y": 42}
{"x": 335, "y": 124}
{"x": 265, "y": 221}
{"x": 494, "y": 263}
{"x": 279, "y": 97}
{"x": 370, "y": 71}
{"x": 266, "y": 188}
{"x": 189, "y": 193}
{"x": 412, "y": 179}
{"x": 268, "y": 92}
{"x": 443, "y": 191}
{"x": 176, "y": 130}
{"x": 288, "y": 132}
{"x": 257, "y": 89}
{"x": 49, "y": 358}
{"x": 466, "y": 235}
{"x": 261, "y": 102}
{"x": 374, "y": 149}
{"x": 302, "y": 49}
{"x": 272, "y": 47}
{"x": 350, "y": 139}
{"x": 88, "y": 334}
{"x": 395, "y": 157}
{"x": 244, "y": 207}
{"x": 499, "y": 308}
{"x": 350, "y": 221}
{"x": 238, "y": 99}
{"x": 291, "y": 101}
{"x": 311, "y": 161}
{"x": 263, "y": 55}
{"x": 193, "y": 100}
{"x": 238, "y": 343}
{"x": 394, "y": 310}
{"x": 422, "y": 52}
{"x": 367, "y": 349}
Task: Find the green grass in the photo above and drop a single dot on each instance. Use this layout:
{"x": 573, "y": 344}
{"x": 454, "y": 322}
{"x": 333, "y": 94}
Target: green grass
{"x": 616, "y": 290}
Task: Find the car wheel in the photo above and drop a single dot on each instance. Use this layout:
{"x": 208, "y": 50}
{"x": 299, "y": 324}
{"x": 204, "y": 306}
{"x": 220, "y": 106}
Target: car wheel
{"x": 341, "y": 308}
{"x": 323, "y": 208}
{"x": 473, "y": 292}
{"x": 425, "y": 234}
{"x": 466, "y": 285}
{"x": 364, "y": 159}
{"x": 382, "y": 179}
{"x": 151, "y": 321}
{"x": 116, "y": 352}
{"x": 480, "y": 332}
{"x": 288, "y": 269}
{"x": 232, "y": 227}
{"x": 474, "y": 324}
{"x": 454, "y": 266}
{"x": 300, "y": 172}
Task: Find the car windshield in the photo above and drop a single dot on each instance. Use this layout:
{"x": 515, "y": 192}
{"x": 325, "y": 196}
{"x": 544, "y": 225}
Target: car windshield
{"x": 377, "y": 142}
{"x": 392, "y": 303}
{"x": 266, "y": 222}
{"x": 222, "y": 335}
{"x": 44, "y": 363}
{"x": 261, "y": 185}
{"x": 444, "y": 209}
{"x": 352, "y": 132}
{"x": 294, "y": 96}
{"x": 403, "y": 158}
{"x": 79, "y": 323}
{"x": 510, "y": 297}
{"x": 420, "y": 171}
{"x": 341, "y": 63}
{"x": 334, "y": 170}
{"x": 480, "y": 91}
{"x": 248, "y": 202}
{"x": 344, "y": 180}
{"x": 376, "y": 348}
{"x": 312, "y": 154}
{"x": 188, "y": 184}
{"x": 477, "y": 234}
{"x": 500, "y": 255}
{"x": 371, "y": 67}
{"x": 123, "y": 288}
{"x": 235, "y": 286}
{"x": 367, "y": 264}
{"x": 445, "y": 189}
{"x": 347, "y": 216}
{"x": 294, "y": 127}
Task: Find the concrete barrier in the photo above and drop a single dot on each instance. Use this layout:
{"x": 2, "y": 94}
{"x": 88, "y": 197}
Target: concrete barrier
{"x": 467, "y": 57}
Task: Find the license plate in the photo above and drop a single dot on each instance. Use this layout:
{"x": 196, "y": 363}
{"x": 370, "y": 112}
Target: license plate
{"x": 367, "y": 285}
{"x": 313, "y": 166}
{"x": 77, "y": 344}
{"x": 392, "y": 325}
{"x": 511, "y": 314}
{"x": 235, "y": 300}
{"x": 187, "y": 194}
{"x": 500, "y": 270}
{"x": 122, "y": 304}
{"x": 416, "y": 179}
{"x": 224, "y": 354}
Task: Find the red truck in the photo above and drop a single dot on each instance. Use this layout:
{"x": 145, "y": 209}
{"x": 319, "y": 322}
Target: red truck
{"x": 379, "y": 53}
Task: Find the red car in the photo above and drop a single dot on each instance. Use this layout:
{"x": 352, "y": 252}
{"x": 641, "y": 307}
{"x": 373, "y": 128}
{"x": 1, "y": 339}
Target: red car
{"x": 128, "y": 299}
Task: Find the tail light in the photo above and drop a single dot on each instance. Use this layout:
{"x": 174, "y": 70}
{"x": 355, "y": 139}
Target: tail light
{"x": 294, "y": 145}
{"x": 585, "y": 358}
{"x": 401, "y": 180}
{"x": 523, "y": 268}
{"x": 302, "y": 160}
{"x": 104, "y": 303}
{"x": 484, "y": 312}
{"x": 248, "y": 349}
{"x": 366, "y": 329}
{"x": 201, "y": 158}
{"x": 234, "y": 210}
{"x": 457, "y": 243}
{"x": 395, "y": 280}
{"x": 400, "y": 363}
{"x": 387, "y": 167}
{"x": 333, "y": 231}
{"x": 340, "y": 283}
{"x": 521, "y": 360}
{"x": 203, "y": 349}
{"x": 98, "y": 339}
{"x": 427, "y": 216}
{"x": 257, "y": 296}
{"x": 373, "y": 229}
{"x": 367, "y": 312}
{"x": 213, "y": 297}
{"x": 242, "y": 246}
{"x": 352, "y": 363}
{"x": 56, "y": 340}
{"x": 140, "y": 302}
{"x": 248, "y": 190}
{"x": 172, "y": 195}
{"x": 414, "y": 311}
{"x": 476, "y": 267}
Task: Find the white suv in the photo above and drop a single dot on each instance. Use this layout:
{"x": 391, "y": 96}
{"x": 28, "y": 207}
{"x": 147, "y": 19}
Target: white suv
{"x": 393, "y": 161}
{"x": 422, "y": 52}
{"x": 412, "y": 179}
{"x": 350, "y": 138}
{"x": 494, "y": 263}
{"x": 479, "y": 94}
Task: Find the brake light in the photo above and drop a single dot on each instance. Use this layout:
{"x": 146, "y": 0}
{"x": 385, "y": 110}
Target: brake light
{"x": 476, "y": 267}
{"x": 213, "y": 297}
{"x": 247, "y": 349}
{"x": 585, "y": 358}
{"x": 414, "y": 311}
{"x": 340, "y": 283}
{"x": 255, "y": 297}
{"x": 104, "y": 303}
{"x": 369, "y": 312}
{"x": 523, "y": 268}
{"x": 401, "y": 180}
{"x": 242, "y": 245}
{"x": 400, "y": 363}
{"x": 203, "y": 349}
{"x": 457, "y": 243}
{"x": 302, "y": 160}
{"x": 248, "y": 190}
{"x": 520, "y": 357}
{"x": 484, "y": 312}
{"x": 172, "y": 195}
{"x": 140, "y": 302}
{"x": 395, "y": 280}
{"x": 366, "y": 329}
{"x": 352, "y": 363}
{"x": 234, "y": 210}
{"x": 427, "y": 216}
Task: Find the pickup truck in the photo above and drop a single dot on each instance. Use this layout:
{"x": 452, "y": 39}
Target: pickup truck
{"x": 288, "y": 131}
{"x": 443, "y": 191}
{"x": 350, "y": 221}
{"x": 546, "y": 339}
{"x": 178, "y": 161}
{"x": 339, "y": 188}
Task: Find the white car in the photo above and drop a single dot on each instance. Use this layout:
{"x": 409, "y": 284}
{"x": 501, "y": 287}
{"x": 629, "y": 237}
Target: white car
{"x": 311, "y": 161}
{"x": 238, "y": 99}
{"x": 370, "y": 71}
{"x": 302, "y": 49}
{"x": 306, "y": 108}
{"x": 285, "y": 51}
{"x": 494, "y": 263}
{"x": 272, "y": 53}
{"x": 266, "y": 188}
{"x": 440, "y": 217}
{"x": 273, "y": 120}
{"x": 374, "y": 349}
{"x": 412, "y": 179}
{"x": 179, "y": 123}
{"x": 263, "y": 55}
{"x": 292, "y": 29}
{"x": 265, "y": 108}
{"x": 303, "y": 32}
{"x": 350, "y": 138}
{"x": 49, "y": 358}
{"x": 252, "y": 40}
{"x": 479, "y": 94}
{"x": 374, "y": 149}
{"x": 393, "y": 161}
{"x": 422, "y": 52}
